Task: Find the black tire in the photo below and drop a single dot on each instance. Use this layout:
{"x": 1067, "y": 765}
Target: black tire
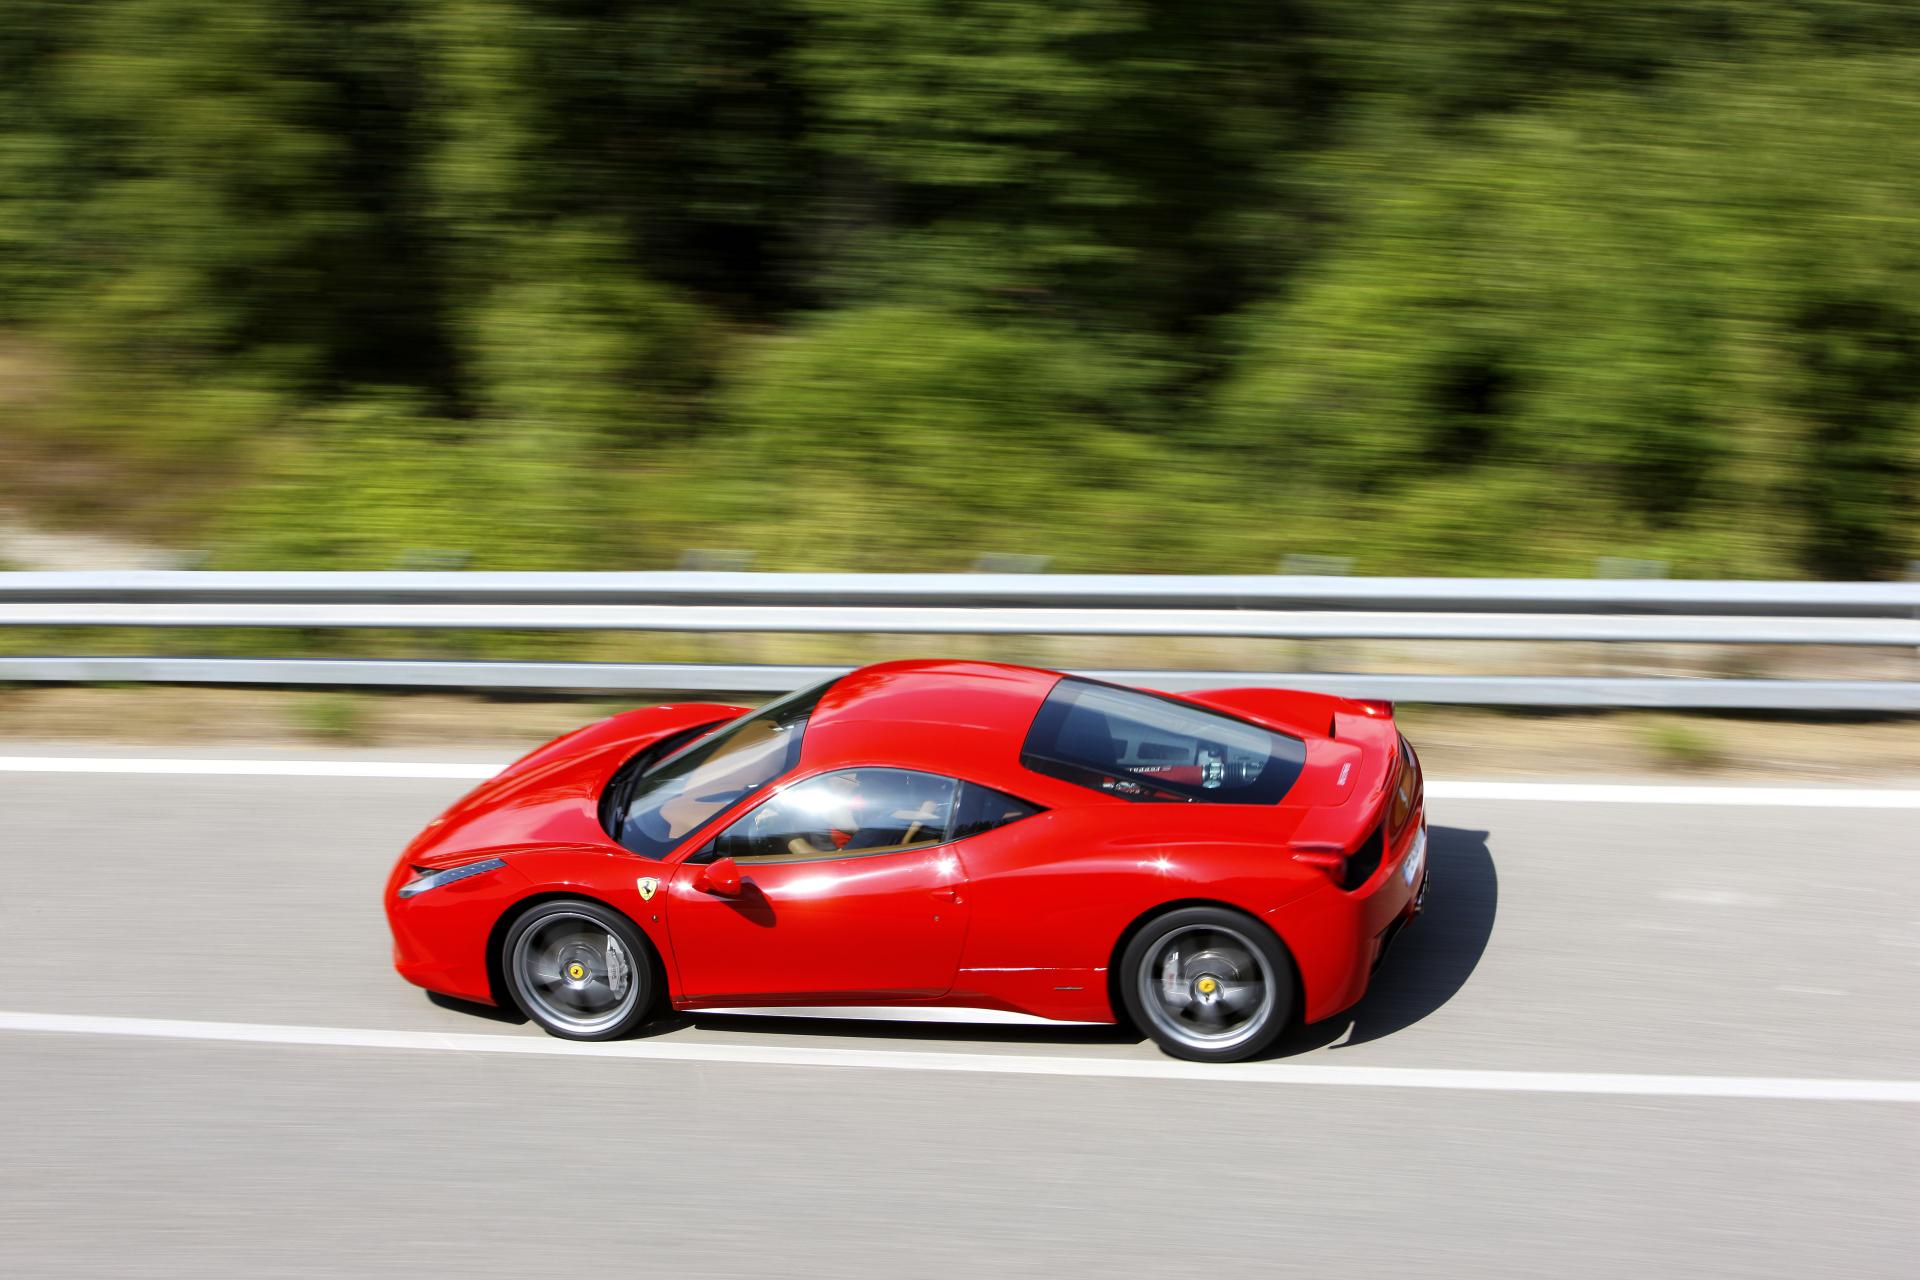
{"x": 581, "y": 970}
{"x": 1207, "y": 983}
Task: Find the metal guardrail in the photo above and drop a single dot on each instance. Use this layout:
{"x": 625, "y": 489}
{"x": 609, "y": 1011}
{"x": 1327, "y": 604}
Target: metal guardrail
{"x": 809, "y": 619}
{"x": 1280, "y": 607}
{"x": 980, "y": 590}
{"x": 1876, "y": 696}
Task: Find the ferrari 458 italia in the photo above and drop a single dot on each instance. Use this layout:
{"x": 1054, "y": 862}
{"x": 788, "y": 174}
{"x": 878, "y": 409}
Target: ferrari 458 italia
{"x": 934, "y": 835}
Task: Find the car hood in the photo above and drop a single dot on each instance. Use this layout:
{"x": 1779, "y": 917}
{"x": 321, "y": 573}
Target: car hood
{"x": 549, "y": 795}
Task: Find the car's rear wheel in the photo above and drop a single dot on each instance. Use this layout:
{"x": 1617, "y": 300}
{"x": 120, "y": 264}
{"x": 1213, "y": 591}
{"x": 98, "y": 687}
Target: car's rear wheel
{"x": 579, "y": 969}
{"x": 1207, "y": 983}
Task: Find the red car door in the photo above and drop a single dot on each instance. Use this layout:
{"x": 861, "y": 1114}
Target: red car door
{"x": 848, "y": 893}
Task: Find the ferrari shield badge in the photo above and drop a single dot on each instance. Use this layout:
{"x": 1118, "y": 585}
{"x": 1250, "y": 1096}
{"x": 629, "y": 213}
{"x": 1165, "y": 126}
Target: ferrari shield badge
{"x": 647, "y": 885}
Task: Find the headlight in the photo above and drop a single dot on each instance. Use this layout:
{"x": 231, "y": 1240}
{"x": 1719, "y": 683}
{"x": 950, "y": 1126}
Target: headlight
{"x": 434, "y": 879}
{"x": 1415, "y": 856}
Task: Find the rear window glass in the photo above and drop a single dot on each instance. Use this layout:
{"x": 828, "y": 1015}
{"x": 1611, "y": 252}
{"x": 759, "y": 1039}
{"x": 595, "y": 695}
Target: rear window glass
{"x": 1142, "y": 746}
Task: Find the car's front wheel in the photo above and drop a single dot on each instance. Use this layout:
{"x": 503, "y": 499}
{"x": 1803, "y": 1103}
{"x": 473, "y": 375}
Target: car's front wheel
{"x": 1207, "y": 983}
{"x": 579, "y": 969}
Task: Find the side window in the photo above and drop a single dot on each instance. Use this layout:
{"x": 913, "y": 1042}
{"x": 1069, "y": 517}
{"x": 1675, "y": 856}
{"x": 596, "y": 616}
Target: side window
{"x": 983, "y": 809}
{"x": 845, "y": 814}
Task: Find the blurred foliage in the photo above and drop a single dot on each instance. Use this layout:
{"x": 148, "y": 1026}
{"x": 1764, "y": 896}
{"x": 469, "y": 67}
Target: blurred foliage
{"x": 1138, "y": 284}
{"x": 359, "y": 482}
{"x": 1681, "y": 744}
{"x": 343, "y": 718}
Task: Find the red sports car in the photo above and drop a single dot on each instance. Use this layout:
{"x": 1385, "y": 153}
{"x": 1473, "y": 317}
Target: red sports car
{"x": 947, "y": 835}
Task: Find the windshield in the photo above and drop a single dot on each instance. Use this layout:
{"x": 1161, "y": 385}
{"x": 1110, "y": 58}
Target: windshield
{"x": 1143, "y": 746}
{"x": 673, "y": 799}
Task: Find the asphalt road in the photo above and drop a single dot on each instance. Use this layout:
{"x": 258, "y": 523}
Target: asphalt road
{"x": 1596, "y": 938}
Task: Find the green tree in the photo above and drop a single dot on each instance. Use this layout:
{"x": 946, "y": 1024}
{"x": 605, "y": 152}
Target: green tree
{"x": 1440, "y": 285}
{"x": 895, "y": 435}
{"x": 1665, "y": 325}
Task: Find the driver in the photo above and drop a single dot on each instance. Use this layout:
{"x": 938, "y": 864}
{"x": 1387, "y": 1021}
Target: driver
{"x": 843, "y": 820}
{"x": 837, "y": 807}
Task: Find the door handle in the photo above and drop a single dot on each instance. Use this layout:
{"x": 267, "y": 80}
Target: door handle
{"x": 948, "y": 895}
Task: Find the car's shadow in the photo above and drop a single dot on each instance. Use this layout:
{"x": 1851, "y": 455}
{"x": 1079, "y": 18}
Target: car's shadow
{"x": 830, "y": 1028}
{"x": 1432, "y": 959}
{"x": 501, "y": 1013}
{"x": 1430, "y": 962}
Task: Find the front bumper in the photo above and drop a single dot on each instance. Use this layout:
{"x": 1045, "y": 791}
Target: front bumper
{"x": 440, "y": 936}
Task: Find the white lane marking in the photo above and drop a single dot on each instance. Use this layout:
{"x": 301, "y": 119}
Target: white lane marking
{"x": 1631, "y": 793}
{"x": 249, "y": 768}
{"x": 1272, "y": 1073}
{"x": 1785, "y": 794}
{"x": 1717, "y": 898}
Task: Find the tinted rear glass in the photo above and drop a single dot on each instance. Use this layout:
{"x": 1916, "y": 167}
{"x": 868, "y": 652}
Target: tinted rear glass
{"x": 1145, "y": 747}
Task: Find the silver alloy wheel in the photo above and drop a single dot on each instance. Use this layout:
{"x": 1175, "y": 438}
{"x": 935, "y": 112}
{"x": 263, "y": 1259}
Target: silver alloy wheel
{"x": 1207, "y": 986}
{"x": 578, "y": 972}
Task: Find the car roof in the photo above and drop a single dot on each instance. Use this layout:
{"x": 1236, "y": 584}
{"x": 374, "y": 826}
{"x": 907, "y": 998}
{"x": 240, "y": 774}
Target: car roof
{"x": 970, "y": 720}
{"x": 966, "y": 718}
{"x": 988, "y": 695}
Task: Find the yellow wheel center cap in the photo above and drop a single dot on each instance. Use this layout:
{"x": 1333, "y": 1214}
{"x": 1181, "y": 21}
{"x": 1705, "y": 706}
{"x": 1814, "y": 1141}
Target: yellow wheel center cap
{"x": 1207, "y": 986}
{"x": 576, "y": 971}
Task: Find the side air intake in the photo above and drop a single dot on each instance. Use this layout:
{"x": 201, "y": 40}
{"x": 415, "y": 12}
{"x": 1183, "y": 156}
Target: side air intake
{"x": 1364, "y": 861}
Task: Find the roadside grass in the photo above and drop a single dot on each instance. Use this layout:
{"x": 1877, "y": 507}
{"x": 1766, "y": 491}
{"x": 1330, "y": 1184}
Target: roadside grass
{"x": 344, "y": 718}
{"x": 1682, "y": 744}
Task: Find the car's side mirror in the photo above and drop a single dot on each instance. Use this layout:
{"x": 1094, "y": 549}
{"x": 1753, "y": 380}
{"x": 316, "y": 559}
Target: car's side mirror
{"x": 720, "y": 877}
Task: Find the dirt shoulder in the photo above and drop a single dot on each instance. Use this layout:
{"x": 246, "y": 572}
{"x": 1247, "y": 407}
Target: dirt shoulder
{"x": 1453, "y": 742}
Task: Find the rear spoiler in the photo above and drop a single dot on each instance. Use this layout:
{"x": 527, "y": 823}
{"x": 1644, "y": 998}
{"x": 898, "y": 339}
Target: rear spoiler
{"x": 1294, "y": 711}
